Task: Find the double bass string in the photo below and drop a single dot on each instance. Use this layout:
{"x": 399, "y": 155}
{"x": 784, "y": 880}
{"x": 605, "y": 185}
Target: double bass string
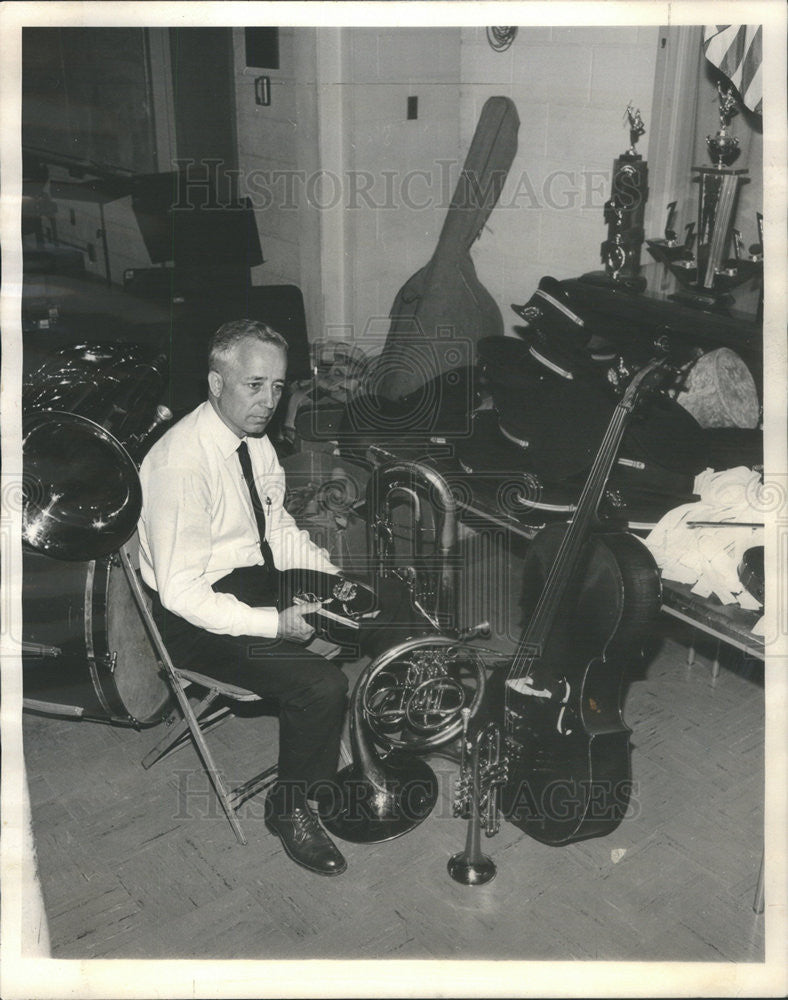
{"x": 567, "y": 552}
{"x": 572, "y": 539}
{"x": 577, "y": 529}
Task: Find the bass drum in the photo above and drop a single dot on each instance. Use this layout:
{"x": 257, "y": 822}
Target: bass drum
{"x": 86, "y": 651}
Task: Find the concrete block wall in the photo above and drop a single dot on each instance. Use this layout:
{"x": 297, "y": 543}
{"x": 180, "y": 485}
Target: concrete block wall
{"x": 571, "y": 86}
{"x": 391, "y": 230}
{"x": 267, "y": 151}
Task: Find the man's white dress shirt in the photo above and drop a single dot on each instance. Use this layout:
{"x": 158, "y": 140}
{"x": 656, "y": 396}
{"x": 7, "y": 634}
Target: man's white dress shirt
{"x": 197, "y": 523}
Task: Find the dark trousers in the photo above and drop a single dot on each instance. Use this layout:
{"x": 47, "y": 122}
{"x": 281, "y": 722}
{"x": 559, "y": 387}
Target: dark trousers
{"x": 310, "y": 690}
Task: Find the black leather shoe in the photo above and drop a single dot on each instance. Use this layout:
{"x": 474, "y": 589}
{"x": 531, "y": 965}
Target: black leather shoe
{"x": 306, "y": 841}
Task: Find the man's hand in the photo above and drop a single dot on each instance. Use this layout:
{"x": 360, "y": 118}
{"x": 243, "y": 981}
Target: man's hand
{"x": 292, "y": 625}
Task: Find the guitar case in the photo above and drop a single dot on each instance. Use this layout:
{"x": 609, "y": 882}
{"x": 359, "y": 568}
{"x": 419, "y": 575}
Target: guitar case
{"x": 443, "y": 309}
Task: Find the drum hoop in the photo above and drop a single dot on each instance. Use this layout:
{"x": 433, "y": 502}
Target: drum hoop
{"x": 99, "y": 658}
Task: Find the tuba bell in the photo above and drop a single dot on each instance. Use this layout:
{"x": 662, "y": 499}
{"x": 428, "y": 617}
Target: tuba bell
{"x": 89, "y": 414}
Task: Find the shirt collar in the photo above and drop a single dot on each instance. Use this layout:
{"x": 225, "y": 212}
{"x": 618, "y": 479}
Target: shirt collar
{"x": 216, "y": 430}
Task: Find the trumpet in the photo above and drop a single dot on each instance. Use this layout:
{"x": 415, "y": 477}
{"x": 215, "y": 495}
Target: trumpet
{"x": 483, "y": 770}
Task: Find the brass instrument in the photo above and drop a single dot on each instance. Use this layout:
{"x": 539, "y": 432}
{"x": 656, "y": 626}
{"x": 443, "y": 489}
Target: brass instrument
{"x": 380, "y": 796}
{"x": 414, "y": 693}
{"x": 89, "y": 414}
{"x": 483, "y": 770}
{"x": 417, "y": 689}
{"x": 410, "y": 698}
{"x": 432, "y": 579}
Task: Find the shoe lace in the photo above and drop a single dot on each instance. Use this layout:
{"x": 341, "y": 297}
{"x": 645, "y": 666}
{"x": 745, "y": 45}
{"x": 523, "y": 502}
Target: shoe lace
{"x": 306, "y": 821}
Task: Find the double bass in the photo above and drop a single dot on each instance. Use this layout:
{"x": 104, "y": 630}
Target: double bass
{"x": 590, "y": 595}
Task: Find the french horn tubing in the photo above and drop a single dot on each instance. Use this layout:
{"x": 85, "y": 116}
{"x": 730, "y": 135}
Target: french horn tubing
{"x": 379, "y": 796}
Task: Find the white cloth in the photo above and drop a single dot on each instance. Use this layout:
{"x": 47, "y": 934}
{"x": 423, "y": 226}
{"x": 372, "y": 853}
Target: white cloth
{"x": 197, "y": 523}
{"x": 708, "y": 556}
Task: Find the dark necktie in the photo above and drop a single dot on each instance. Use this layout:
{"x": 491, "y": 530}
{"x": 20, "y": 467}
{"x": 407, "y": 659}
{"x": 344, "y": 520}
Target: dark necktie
{"x": 257, "y": 507}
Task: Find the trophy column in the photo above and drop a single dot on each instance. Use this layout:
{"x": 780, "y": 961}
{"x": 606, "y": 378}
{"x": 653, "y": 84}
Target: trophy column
{"x": 625, "y": 210}
{"x": 707, "y": 276}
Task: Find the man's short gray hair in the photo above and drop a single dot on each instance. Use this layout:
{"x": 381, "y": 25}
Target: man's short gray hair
{"x": 229, "y": 335}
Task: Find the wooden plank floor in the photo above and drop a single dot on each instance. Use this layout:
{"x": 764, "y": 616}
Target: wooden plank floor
{"x": 138, "y": 864}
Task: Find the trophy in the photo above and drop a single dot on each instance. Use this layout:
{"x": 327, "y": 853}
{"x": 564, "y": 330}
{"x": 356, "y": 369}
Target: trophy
{"x": 625, "y": 209}
{"x": 707, "y": 273}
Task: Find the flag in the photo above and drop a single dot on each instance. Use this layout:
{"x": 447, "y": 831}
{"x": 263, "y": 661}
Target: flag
{"x": 737, "y": 51}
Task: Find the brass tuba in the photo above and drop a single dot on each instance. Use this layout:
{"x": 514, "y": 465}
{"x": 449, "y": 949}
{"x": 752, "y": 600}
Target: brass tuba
{"x": 89, "y": 414}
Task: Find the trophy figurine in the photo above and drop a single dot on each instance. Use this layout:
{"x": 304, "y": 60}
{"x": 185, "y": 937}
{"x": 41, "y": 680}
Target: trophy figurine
{"x": 724, "y": 147}
{"x": 636, "y": 129}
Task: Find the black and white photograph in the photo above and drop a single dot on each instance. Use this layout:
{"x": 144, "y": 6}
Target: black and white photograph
{"x": 394, "y": 499}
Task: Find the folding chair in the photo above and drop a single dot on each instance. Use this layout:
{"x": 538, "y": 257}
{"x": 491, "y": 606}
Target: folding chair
{"x": 196, "y": 721}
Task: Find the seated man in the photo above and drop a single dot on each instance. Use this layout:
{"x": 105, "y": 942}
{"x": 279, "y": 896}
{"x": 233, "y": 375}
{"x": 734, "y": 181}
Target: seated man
{"x": 214, "y": 537}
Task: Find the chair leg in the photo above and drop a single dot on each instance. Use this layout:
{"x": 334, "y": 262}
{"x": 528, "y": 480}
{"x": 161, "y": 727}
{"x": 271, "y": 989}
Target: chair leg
{"x": 253, "y": 786}
{"x": 213, "y": 772}
{"x": 169, "y": 742}
{"x": 177, "y": 738}
{"x": 180, "y": 695}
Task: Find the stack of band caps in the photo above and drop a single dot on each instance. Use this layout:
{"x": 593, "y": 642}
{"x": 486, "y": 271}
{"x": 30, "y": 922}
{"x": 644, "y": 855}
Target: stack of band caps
{"x": 553, "y": 402}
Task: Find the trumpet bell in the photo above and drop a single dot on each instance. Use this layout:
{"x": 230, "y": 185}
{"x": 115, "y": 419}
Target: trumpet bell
{"x": 368, "y": 811}
{"x": 471, "y": 871}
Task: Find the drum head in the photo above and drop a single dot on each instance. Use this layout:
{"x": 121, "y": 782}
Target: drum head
{"x": 720, "y": 391}
{"x": 141, "y": 686}
{"x": 82, "y": 495}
